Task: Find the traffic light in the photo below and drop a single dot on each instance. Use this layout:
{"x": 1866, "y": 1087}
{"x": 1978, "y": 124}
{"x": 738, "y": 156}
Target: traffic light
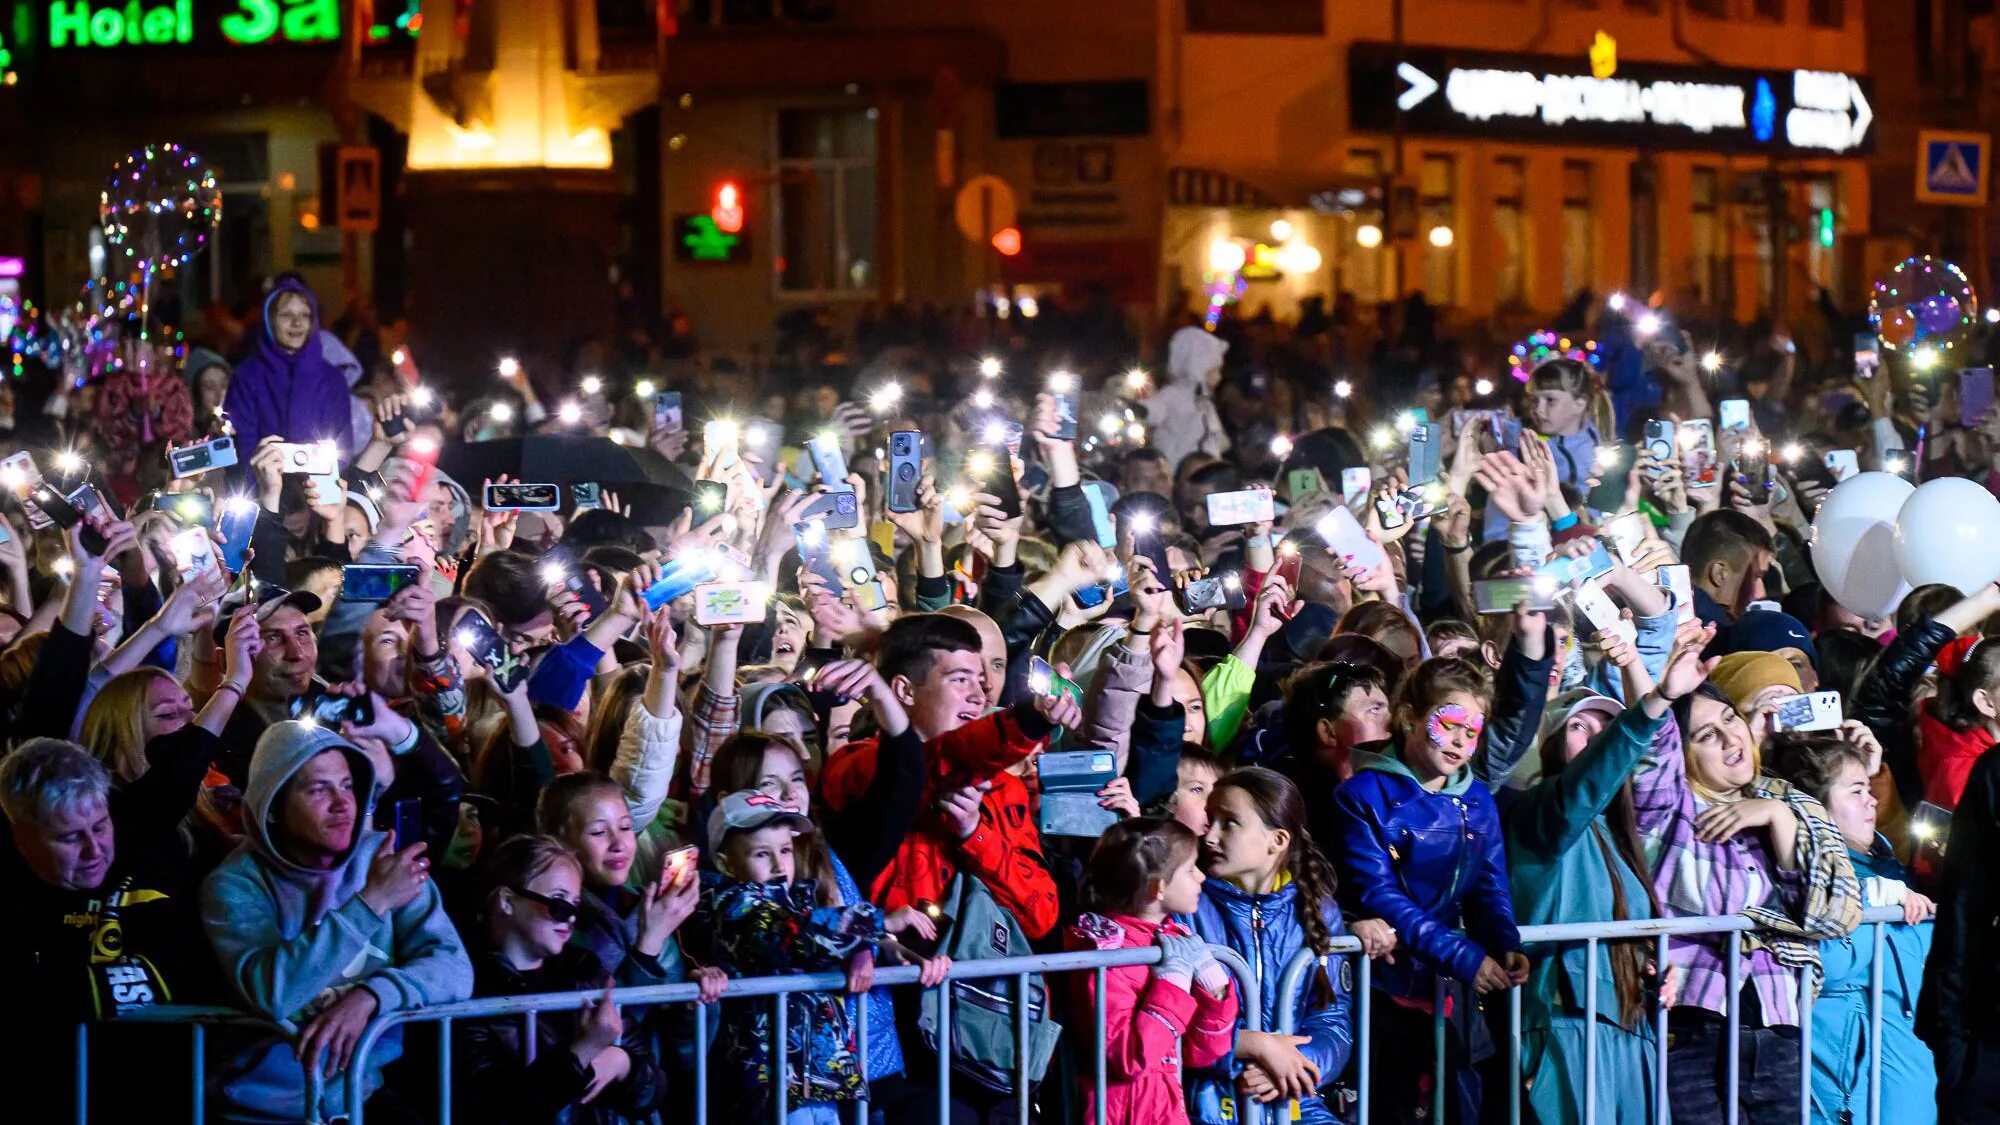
{"x": 728, "y": 208}
{"x": 1826, "y": 226}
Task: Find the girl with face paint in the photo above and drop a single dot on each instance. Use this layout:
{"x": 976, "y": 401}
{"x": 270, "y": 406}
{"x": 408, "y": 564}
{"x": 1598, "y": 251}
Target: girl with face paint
{"x": 1418, "y": 846}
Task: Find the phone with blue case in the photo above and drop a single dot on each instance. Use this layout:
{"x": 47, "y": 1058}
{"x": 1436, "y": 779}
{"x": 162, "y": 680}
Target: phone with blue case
{"x": 679, "y": 577}
{"x": 1100, "y": 514}
{"x": 1567, "y": 571}
{"x": 830, "y": 462}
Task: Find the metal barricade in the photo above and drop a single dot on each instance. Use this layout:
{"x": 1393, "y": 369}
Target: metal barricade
{"x": 1875, "y": 922}
{"x": 1289, "y": 984}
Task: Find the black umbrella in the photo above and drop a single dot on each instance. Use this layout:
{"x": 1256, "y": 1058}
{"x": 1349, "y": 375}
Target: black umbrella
{"x": 560, "y": 459}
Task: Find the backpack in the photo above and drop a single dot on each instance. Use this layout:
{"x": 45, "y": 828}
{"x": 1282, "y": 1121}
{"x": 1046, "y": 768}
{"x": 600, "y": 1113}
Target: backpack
{"x": 982, "y": 1012}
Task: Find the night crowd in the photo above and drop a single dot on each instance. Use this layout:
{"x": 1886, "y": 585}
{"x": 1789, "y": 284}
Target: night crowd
{"x": 967, "y": 639}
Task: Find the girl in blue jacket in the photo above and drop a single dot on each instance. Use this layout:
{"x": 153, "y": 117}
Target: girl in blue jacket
{"x": 1834, "y": 769}
{"x": 1420, "y": 848}
{"x": 1270, "y": 894}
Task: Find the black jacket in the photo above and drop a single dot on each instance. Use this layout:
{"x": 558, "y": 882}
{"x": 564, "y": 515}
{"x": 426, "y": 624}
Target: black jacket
{"x": 1884, "y": 702}
{"x": 495, "y": 1083}
{"x": 1958, "y": 1011}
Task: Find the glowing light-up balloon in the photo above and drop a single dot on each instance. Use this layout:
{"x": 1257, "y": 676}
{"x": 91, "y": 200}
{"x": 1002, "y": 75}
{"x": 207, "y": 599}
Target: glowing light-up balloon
{"x": 160, "y": 205}
{"x": 1924, "y": 301}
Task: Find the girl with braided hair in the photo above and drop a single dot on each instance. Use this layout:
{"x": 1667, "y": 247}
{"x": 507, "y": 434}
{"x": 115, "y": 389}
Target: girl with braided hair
{"x": 1270, "y": 893}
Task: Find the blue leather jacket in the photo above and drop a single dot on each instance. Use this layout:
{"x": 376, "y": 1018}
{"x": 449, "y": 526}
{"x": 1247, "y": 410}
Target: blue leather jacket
{"x": 1422, "y": 860}
{"x": 1266, "y": 930}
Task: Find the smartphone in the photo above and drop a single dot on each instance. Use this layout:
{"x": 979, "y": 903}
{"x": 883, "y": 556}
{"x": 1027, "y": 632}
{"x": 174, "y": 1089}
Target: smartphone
{"x": 1355, "y": 483}
{"x": 332, "y": 710}
{"x": 762, "y": 437}
{"x": 1614, "y": 467}
{"x": 194, "y": 553}
{"x": 1867, "y": 355}
{"x": 1660, "y": 439}
{"x": 1819, "y": 710}
{"x": 18, "y": 473}
{"x": 1753, "y": 465}
{"x": 906, "y": 470}
{"x": 718, "y": 441}
{"x": 816, "y": 550}
{"x": 1678, "y": 580}
{"x": 830, "y": 462}
{"x": 1250, "y": 505}
{"x": 54, "y": 508}
{"x": 709, "y": 498}
{"x": 189, "y": 509}
{"x": 1506, "y": 433}
{"x": 1065, "y": 402}
{"x": 409, "y": 822}
{"x": 667, "y": 412}
{"x": 730, "y": 603}
{"x": 1699, "y": 460}
{"x": 1209, "y": 592}
{"x": 1596, "y": 607}
{"x": 308, "y": 459}
{"x": 523, "y": 498}
{"x": 835, "y": 509}
{"x": 679, "y": 577}
{"x": 1113, "y": 586}
{"x": 218, "y": 452}
{"x": 1345, "y": 536}
{"x": 1425, "y": 454}
{"x": 583, "y": 497}
{"x": 478, "y": 637}
{"x": 375, "y": 582}
{"x": 680, "y": 861}
{"x": 1303, "y": 483}
{"x": 1094, "y": 493}
{"x": 1001, "y": 483}
{"x": 855, "y": 563}
{"x": 562, "y": 572}
{"x": 233, "y": 530}
{"x": 1500, "y": 595}
{"x": 1842, "y": 463}
{"x": 1975, "y": 394}
{"x": 1735, "y": 413}
{"x": 1569, "y": 572}
{"x": 1627, "y": 535}
{"x": 1044, "y": 680}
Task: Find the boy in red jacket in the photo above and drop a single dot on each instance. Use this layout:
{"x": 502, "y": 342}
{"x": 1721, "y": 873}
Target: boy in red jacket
{"x": 930, "y": 794}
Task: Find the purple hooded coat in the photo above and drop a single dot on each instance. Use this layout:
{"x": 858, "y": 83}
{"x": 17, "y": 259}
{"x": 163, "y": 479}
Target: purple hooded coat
{"x": 295, "y": 396}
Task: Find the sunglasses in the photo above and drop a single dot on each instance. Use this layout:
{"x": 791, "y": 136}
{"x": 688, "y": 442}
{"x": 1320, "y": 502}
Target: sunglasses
{"x": 560, "y": 910}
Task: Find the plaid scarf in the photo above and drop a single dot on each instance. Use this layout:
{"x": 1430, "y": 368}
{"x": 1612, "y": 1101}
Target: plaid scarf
{"x": 1831, "y": 907}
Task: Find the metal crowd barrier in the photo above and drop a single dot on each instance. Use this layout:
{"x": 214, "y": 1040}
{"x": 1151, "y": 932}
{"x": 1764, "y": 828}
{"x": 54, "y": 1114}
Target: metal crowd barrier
{"x": 1289, "y": 983}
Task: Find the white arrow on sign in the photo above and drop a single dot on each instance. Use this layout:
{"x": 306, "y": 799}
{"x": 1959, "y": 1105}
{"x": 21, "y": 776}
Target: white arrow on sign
{"x": 1421, "y": 86}
{"x": 1864, "y": 115}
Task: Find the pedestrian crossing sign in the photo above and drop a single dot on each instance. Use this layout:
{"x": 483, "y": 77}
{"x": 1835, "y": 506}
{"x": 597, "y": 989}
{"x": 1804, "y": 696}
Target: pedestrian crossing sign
{"x": 1951, "y": 167}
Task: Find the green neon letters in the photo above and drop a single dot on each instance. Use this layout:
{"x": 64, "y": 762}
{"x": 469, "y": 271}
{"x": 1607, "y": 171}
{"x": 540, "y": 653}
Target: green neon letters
{"x": 81, "y": 23}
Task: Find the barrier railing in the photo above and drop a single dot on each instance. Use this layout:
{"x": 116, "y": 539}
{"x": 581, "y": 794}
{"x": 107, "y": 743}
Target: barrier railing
{"x": 1289, "y": 983}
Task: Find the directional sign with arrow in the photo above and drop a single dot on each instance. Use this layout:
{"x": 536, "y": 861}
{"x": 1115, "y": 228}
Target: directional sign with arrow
{"x": 1561, "y": 99}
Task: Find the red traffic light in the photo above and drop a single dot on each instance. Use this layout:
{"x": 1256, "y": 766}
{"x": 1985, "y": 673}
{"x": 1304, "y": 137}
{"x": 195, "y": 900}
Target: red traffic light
{"x": 728, "y": 209}
{"x": 1007, "y": 240}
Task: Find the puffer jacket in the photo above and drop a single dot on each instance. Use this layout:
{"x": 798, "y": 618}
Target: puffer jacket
{"x": 1145, "y": 1021}
{"x": 1884, "y": 702}
{"x": 1422, "y": 861}
{"x": 1267, "y": 931}
{"x": 1958, "y": 1010}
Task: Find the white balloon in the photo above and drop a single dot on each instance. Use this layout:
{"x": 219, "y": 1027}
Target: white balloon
{"x": 1948, "y": 531}
{"x": 1854, "y": 543}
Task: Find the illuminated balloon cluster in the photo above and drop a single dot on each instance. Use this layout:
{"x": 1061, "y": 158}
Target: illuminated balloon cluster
{"x": 1531, "y": 350}
{"x": 160, "y": 205}
{"x": 1923, "y": 309}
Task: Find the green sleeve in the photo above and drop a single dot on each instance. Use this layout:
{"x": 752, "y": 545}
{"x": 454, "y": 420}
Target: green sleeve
{"x": 1225, "y": 691}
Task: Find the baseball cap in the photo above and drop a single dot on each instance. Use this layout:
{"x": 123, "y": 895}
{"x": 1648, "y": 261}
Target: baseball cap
{"x": 748, "y": 810}
{"x": 1570, "y": 704}
{"x": 270, "y": 599}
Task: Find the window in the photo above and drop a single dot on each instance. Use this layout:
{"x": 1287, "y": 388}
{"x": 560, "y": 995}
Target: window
{"x": 1364, "y": 270}
{"x": 1257, "y": 17}
{"x": 1510, "y": 226}
{"x": 1769, "y": 9}
{"x": 1827, "y": 13}
{"x": 1643, "y": 6}
{"x": 1438, "y": 204}
{"x": 1645, "y": 199}
{"x": 1579, "y": 237}
{"x": 1705, "y": 248}
{"x": 1717, "y": 8}
{"x": 826, "y": 202}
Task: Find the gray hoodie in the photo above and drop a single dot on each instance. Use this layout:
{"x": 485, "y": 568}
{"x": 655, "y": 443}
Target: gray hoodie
{"x": 292, "y": 939}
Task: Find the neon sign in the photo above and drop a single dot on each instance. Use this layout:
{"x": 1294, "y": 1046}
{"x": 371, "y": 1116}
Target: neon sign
{"x": 81, "y": 23}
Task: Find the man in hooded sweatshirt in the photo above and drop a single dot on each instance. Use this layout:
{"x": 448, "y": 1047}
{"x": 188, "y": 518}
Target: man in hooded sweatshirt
{"x": 1181, "y": 415}
{"x": 321, "y": 925}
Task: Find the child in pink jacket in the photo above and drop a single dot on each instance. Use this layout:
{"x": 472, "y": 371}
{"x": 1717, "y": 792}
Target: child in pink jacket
{"x": 1141, "y": 873}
